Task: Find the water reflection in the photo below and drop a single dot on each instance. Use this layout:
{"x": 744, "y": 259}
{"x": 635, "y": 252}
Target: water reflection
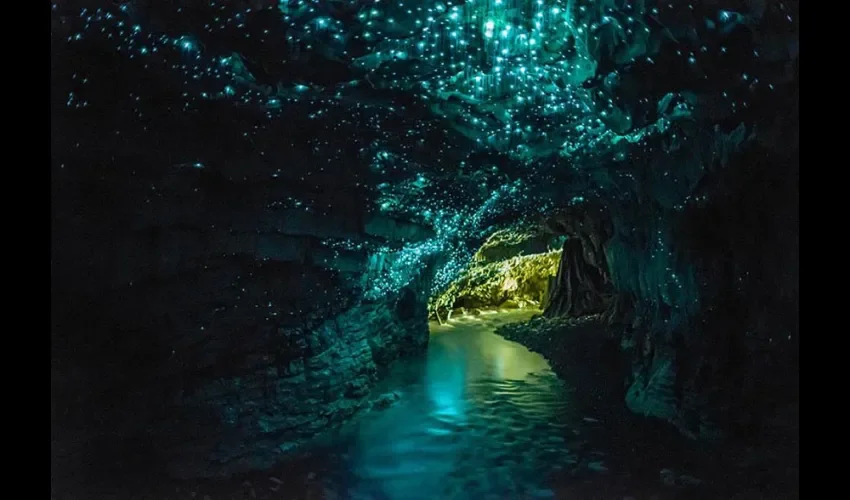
{"x": 445, "y": 380}
{"x": 480, "y": 417}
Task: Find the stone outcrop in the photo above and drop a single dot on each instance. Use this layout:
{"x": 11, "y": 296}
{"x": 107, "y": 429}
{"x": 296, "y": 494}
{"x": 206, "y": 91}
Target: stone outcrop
{"x": 508, "y": 243}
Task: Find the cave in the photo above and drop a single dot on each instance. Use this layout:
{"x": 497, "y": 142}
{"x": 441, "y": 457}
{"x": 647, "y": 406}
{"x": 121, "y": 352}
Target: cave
{"x": 424, "y": 249}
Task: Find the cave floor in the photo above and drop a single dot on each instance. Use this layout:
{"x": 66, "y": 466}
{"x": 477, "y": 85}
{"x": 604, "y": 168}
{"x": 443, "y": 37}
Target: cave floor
{"x": 482, "y": 417}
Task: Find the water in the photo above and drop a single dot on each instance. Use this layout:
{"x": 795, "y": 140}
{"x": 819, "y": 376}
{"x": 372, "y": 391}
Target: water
{"x": 479, "y": 417}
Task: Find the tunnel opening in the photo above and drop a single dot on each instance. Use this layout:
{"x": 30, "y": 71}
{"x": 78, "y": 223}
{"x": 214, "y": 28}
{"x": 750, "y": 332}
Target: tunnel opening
{"x": 557, "y": 266}
{"x": 513, "y": 269}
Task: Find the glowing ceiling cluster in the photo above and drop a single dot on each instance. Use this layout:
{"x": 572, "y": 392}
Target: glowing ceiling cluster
{"x": 414, "y": 78}
{"x": 507, "y": 74}
{"x": 460, "y": 225}
{"x": 506, "y": 71}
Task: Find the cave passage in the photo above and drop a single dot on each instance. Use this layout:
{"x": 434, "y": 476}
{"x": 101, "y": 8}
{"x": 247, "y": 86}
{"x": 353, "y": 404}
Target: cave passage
{"x": 477, "y": 415}
{"x": 257, "y": 206}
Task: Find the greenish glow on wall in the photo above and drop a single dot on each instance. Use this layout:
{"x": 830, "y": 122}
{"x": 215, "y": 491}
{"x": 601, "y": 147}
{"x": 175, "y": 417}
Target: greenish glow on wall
{"x": 520, "y": 281}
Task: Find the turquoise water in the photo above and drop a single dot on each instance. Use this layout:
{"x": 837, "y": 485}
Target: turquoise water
{"x": 478, "y": 417}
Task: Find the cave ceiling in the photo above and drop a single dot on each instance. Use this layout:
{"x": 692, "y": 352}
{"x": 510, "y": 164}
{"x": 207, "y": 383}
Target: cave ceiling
{"x": 457, "y": 113}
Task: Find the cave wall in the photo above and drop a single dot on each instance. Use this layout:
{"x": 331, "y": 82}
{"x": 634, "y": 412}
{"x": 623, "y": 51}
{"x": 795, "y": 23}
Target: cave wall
{"x": 194, "y": 319}
{"x": 708, "y": 296}
{"x": 690, "y": 248}
{"x": 209, "y": 265}
{"x": 703, "y": 253}
{"x": 209, "y": 227}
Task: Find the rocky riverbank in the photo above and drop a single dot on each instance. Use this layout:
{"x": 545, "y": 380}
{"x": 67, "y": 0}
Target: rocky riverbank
{"x": 649, "y": 458}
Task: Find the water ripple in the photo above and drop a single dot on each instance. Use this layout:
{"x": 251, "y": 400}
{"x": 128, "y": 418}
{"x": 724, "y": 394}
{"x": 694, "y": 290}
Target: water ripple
{"x": 480, "y": 417}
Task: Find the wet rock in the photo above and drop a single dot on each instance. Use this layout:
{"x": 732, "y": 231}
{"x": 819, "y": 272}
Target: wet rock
{"x": 652, "y": 391}
{"x": 276, "y": 484}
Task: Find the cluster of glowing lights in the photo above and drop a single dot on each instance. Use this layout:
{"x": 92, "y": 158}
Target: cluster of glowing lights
{"x": 525, "y": 55}
{"x": 507, "y": 73}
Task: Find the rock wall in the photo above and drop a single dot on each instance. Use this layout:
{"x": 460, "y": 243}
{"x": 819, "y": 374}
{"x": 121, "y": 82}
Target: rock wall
{"x": 702, "y": 253}
{"x": 582, "y": 285}
{"x": 704, "y": 272}
{"x": 279, "y": 403}
{"x": 197, "y": 321}
{"x": 708, "y": 298}
{"x": 208, "y": 269}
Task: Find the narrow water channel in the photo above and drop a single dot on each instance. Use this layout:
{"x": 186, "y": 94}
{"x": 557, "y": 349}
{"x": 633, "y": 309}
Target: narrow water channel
{"x": 478, "y": 417}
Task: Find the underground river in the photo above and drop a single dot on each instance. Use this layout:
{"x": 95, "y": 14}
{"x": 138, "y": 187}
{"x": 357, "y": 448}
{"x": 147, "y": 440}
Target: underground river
{"x": 481, "y": 417}
{"x": 478, "y": 417}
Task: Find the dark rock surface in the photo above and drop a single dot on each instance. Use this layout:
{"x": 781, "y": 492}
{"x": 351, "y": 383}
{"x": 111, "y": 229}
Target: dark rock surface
{"x": 227, "y": 338}
{"x": 648, "y": 453}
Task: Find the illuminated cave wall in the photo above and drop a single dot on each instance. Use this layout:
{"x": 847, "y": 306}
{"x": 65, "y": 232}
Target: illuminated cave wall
{"x": 512, "y": 269}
